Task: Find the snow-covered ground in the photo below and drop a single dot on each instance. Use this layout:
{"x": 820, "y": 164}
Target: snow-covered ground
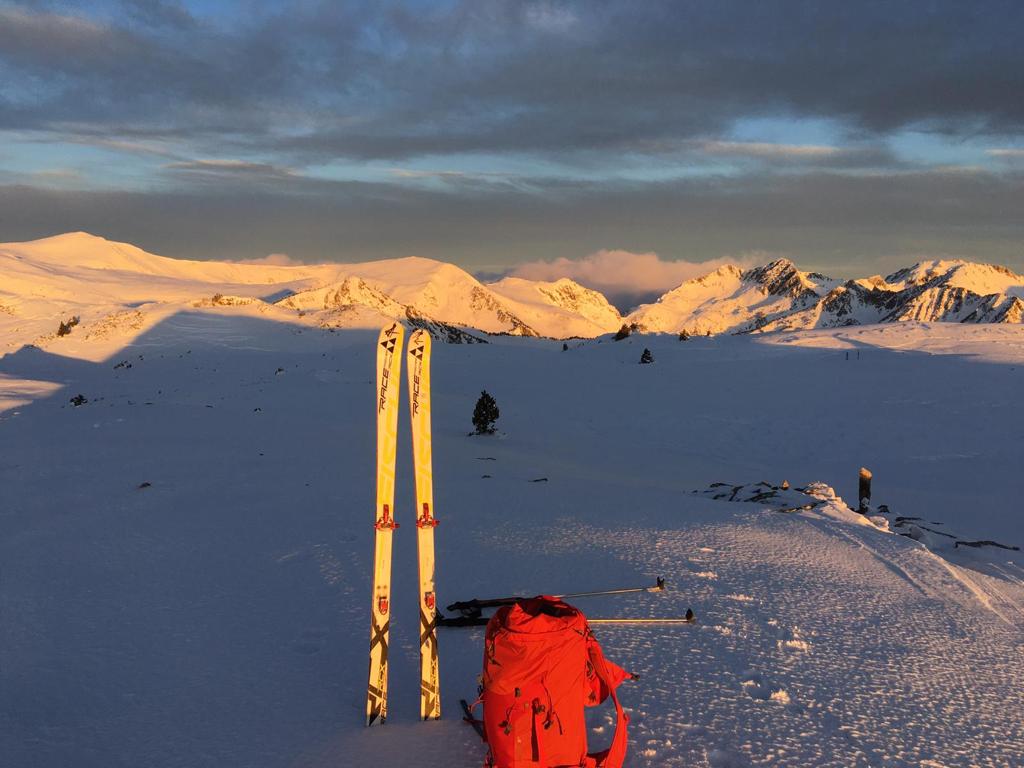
{"x": 186, "y": 557}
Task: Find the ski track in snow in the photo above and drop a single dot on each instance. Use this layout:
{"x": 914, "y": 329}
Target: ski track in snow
{"x": 220, "y": 615}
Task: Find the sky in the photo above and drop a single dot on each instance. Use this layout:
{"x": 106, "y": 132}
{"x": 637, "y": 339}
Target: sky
{"x": 653, "y": 138}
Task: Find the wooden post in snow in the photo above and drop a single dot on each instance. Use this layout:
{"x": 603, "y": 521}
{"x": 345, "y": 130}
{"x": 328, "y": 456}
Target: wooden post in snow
{"x": 864, "y": 491}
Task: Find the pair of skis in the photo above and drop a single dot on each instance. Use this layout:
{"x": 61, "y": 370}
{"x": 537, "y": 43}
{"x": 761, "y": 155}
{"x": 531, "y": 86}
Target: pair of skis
{"x": 389, "y": 372}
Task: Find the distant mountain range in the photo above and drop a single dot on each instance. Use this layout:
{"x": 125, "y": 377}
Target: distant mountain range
{"x": 85, "y": 275}
{"x": 778, "y": 296}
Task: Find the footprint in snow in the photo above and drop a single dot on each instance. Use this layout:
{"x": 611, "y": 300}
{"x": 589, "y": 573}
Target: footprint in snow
{"x": 791, "y": 641}
{"x": 689, "y": 730}
{"x": 723, "y": 758}
{"x": 310, "y": 642}
{"x": 756, "y": 687}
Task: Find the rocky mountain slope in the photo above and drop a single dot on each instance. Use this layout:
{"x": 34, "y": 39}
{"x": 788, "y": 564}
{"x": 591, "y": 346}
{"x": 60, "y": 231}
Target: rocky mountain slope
{"x": 778, "y": 296}
{"x": 733, "y": 300}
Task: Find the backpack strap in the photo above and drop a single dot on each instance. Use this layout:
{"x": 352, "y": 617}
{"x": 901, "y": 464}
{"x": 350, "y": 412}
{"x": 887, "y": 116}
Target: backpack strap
{"x": 467, "y": 716}
{"x": 614, "y": 756}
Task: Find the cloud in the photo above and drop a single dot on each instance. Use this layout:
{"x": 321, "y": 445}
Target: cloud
{"x": 762, "y": 149}
{"x": 323, "y": 81}
{"x": 826, "y": 221}
{"x": 272, "y": 260}
{"x": 804, "y": 156}
{"x": 153, "y": 148}
{"x": 627, "y": 278}
{"x": 57, "y": 175}
{"x": 550, "y": 17}
{"x": 238, "y": 169}
{"x": 1006, "y": 154}
{"x": 160, "y": 13}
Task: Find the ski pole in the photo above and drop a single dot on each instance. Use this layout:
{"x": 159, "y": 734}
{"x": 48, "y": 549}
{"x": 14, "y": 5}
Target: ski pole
{"x": 689, "y": 618}
{"x": 641, "y": 621}
{"x": 478, "y": 620}
{"x": 658, "y": 587}
{"x": 474, "y": 606}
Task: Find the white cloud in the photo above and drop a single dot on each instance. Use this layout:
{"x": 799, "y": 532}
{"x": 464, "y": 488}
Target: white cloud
{"x": 408, "y": 173}
{"x": 56, "y": 175}
{"x": 549, "y": 17}
{"x": 624, "y": 273}
{"x": 273, "y": 260}
{"x": 763, "y": 149}
{"x": 153, "y": 147}
{"x": 1006, "y": 154}
{"x": 232, "y": 168}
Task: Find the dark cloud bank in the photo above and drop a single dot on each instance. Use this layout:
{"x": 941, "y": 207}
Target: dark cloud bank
{"x": 250, "y": 103}
{"x": 841, "y": 224}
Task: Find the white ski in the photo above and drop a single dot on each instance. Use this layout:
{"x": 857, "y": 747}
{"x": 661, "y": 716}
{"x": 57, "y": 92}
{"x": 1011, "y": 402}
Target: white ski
{"x": 389, "y": 373}
{"x": 419, "y": 411}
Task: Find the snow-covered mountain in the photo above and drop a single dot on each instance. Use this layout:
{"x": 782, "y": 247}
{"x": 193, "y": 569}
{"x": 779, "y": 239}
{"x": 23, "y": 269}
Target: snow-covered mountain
{"x": 934, "y": 291}
{"x": 732, "y": 300}
{"x": 106, "y": 283}
{"x": 778, "y": 296}
{"x": 584, "y": 311}
{"x": 410, "y": 288}
{"x": 78, "y": 274}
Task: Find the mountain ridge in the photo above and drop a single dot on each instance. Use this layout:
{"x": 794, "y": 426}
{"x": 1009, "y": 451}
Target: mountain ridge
{"x": 55, "y": 275}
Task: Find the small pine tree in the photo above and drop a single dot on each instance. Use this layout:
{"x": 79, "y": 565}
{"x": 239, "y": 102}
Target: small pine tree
{"x": 485, "y": 414}
{"x": 646, "y": 357}
{"x": 684, "y": 335}
{"x": 622, "y": 333}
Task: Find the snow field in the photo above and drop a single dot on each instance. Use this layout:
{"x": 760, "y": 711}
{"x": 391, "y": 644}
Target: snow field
{"x": 219, "y": 616}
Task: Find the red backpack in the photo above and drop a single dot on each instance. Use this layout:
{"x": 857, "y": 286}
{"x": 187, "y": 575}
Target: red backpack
{"x": 542, "y": 666}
